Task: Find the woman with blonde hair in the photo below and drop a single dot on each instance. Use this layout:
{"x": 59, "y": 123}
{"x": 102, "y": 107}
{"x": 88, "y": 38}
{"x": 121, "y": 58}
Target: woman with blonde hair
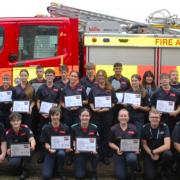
{"x": 102, "y": 99}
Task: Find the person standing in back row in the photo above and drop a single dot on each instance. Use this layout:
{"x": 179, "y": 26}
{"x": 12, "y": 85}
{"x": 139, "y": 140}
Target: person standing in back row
{"x": 102, "y": 115}
{"x": 162, "y": 95}
{"x": 174, "y": 78}
{"x": 88, "y": 81}
{"x": 120, "y": 84}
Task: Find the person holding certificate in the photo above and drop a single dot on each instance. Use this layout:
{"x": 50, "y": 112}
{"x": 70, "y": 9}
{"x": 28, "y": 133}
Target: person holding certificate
{"x": 3, "y": 144}
{"x": 5, "y": 100}
{"x": 176, "y": 142}
{"x": 73, "y": 98}
{"x": 120, "y": 84}
{"x": 56, "y": 139}
{"x": 88, "y": 81}
{"x": 23, "y": 96}
{"x": 124, "y": 156}
{"x": 102, "y": 98}
{"x": 137, "y": 102}
{"x": 156, "y": 143}
{"x": 20, "y": 143}
{"x": 167, "y": 101}
{"x": 48, "y": 95}
{"x": 85, "y": 137}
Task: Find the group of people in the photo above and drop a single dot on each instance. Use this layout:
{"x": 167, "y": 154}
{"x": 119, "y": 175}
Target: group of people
{"x": 92, "y": 119}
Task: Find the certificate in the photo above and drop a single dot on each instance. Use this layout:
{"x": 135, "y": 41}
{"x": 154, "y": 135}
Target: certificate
{"x": 21, "y": 106}
{"x": 73, "y": 101}
{"x": 165, "y": 106}
{"x": 60, "y": 142}
{"x": 5, "y": 96}
{"x": 20, "y": 150}
{"x": 103, "y": 102}
{"x": 86, "y": 144}
{"x": 88, "y": 89}
{"x": 131, "y": 98}
{"x": 36, "y": 86}
{"x": 129, "y": 145}
{"x": 46, "y": 106}
{"x": 120, "y": 97}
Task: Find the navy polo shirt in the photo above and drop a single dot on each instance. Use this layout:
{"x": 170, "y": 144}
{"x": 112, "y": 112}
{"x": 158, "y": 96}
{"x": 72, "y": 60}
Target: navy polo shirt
{"x": 48, "y": 131}
{"x": 97, "y": 91}
{"x": 47, "y": 94}
{"x": 155, "y": 137}
{"x": 137, "y": 114}
{"x": 5, "y": 106}
{"x": 77, "y": 131}
{"x": 120, "y": 85}
{"x": 60, "y": 84}
{"x": 116, "y": 133}
{"x": 19, "y": 93}
{"x": 22, "y": 136}
{"x": 71, "y": 91}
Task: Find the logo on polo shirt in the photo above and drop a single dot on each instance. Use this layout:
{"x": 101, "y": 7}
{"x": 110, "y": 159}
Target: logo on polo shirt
{"x": 55, "y": 89}
{"x": 91, "y": 134}
{"x": 131, "y": 132}
{"x": 172, "y": 94}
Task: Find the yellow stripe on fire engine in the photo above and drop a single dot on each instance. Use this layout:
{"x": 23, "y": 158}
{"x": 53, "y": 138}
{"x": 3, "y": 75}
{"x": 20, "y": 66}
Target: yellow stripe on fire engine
{"x": 127, "y": 71}
{"x": 178, "y": 69}
{"x": 140, "y": 41}
{"x": 32, "y": 73}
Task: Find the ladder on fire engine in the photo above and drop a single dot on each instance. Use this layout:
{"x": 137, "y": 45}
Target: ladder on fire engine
{"x": 59, "y": 10}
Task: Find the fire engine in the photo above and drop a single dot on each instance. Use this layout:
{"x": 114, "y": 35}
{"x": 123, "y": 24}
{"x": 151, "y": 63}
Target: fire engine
{"x": 73, "y": 36}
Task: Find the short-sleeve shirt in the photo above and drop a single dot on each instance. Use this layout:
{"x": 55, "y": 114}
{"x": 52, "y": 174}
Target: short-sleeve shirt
{"x": 116, "y": 133}
{"x": 97, "y": 91}
{"x": 47, "y": 94}
{"x": 155, "y": 137}
{"x": 119, "y": 85}
{"x": 2, "y": 134}
{"x": 22, "y": 136}
{"x": 19, "y": 93}
{"x": 71, "y": 91}
{"x": 176, "y": 133}
{"x": 77, "y": 131}
{"x": 48, "y": 131}
{"x": 60, "y": 84}
{"x": 87, "y": 83}
{"x": 137, "y": 114}
{"x": 5, "y": 106}
{"x": 176, "y": 86}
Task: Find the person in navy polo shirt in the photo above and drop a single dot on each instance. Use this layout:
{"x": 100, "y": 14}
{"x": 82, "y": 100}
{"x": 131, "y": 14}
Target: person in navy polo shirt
{"x": 167, "y": 93}
{"x": 85, "y": 129}
{"x": 19, "y": 134}
{"x": 123, "y": 160}
{"x": 156, "y": 143}
{"x": 54, "y": 157}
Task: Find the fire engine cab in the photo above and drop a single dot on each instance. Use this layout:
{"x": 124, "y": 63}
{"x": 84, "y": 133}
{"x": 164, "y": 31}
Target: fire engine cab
{"x": 72, "y": 36}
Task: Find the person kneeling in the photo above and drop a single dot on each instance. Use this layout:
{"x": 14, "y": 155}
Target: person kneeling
{"x": 21, "y": 143}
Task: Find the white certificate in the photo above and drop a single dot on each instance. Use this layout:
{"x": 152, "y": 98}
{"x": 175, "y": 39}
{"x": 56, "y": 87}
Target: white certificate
{"x": 73, "y": 101}
{"x": 88, "y": 89}
{"x": 46, "y": 106}
{"x": 103, "y": 102}
{"x": 129, "y": 145}
{"x": 20, "y": 150}
{"x": 21, "y": 106}
{"x": 5, "y": 96}
{"x": 131, "y": 98}
{"x": 120, "y": 97}
{"x": 165, "y": 106}
{"x": 60, "y": 142}
{"x": 36, "y": 86}
{"x": 86, "y": 144}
